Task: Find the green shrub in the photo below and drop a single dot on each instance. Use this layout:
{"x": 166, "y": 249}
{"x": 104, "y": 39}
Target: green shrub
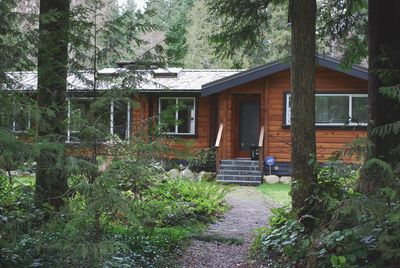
{"x": 376, "y": 174}
{"x": 284, "y": 243}
{"x": 354, "y": 230}
{"x": 203, "y": 160}
{"x": 106, "y": 223}
{"x": 181, "y": 202}
{"x": 336, "y": 182}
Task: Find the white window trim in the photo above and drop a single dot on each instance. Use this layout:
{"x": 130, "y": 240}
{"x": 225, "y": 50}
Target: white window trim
{"x": 193, "y": 122}
{"x": 14, "y": 122}
{"x": 351, "y": 96}
{"x": 128, "y": 119}
{"x": 288, "y": 110}
{"x": 69, "y": 131}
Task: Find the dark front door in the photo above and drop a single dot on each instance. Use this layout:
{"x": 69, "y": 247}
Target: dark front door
{"x": 248, "y": 123}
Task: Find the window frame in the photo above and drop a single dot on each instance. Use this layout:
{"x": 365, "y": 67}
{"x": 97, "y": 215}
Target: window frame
{"x": 194, "y": 121}
{"x": 13, "y": 125}
{"x": 29, "y": 124}
{"x": 128, "y": 118}
{"x": 350, "y": 110}
{"x": 111, "y": 128}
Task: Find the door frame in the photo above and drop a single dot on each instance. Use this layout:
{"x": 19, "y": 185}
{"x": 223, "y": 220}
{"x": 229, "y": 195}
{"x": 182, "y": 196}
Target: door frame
{"x": 236, "y": 119}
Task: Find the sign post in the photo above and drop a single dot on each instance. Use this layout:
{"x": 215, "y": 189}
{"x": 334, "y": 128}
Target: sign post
{"x": 270, "y": 161}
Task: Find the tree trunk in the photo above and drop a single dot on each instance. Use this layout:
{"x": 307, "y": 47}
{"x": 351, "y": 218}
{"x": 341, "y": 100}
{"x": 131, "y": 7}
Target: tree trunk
{"x": 303, "y": 20}
{"x": 384, "y": 54}
{"x": 51, "y": 178}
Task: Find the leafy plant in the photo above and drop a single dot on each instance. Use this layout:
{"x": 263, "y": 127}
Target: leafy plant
{"x": 203, "y": 160}
{"x": 182, "y": 202}
{"x": 285, "y": 241}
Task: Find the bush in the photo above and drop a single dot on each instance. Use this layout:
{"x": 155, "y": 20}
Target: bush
{"x": 354, "y": 230}
{"x": 181, "y": 202}
{"x": 203, "y": 160}
{"x": 284, "y": 243}
{"x": 103, "y": 225}
{"x": 376, "y": 174}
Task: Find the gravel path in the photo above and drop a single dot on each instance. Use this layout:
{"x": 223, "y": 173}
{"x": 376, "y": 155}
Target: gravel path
{"x": 249, "y": 210}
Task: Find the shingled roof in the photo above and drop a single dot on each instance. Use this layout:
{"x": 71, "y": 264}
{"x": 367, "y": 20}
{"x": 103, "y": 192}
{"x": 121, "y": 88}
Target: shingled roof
{"x": 206, "y": 81}
{"x": 159, "y": 80}
{"x": 274, "y": 67}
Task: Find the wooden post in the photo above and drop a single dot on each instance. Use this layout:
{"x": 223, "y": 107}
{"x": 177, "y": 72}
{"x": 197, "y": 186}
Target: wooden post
{"x": 261, "y": 148}
{"x": 217, "y": 142}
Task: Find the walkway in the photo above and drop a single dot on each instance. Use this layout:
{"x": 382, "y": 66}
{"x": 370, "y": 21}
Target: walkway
{"x": 227, "y": 242}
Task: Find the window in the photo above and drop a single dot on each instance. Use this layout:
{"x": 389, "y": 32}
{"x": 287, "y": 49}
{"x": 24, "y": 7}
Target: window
{"x": 120, "y": 119}
{"x": 16, "y": 118}
{"x": 107, "y": 118}
{"x": 6, "y": 119}
{"x": 78, "y": 109}
{"x": 177, "y": 115}
{"x": 337, "y": 109}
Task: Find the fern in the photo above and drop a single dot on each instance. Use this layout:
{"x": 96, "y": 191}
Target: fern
{"x": 392, "y": 92}
{"x": 388, "y": 129}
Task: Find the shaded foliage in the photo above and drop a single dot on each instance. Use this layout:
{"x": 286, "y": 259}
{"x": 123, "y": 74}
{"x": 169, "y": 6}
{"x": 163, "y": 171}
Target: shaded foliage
{"x": 354, "y": 230}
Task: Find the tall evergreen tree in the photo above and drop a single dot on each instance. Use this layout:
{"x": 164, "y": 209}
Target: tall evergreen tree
{"x": 163, "y": 10}
{"x": 177, "y": 31}
{"x": 302, "y": 14}
{"x": 7, "y": 24}
{"x": 243, "y": 26}
{"x": 200, "y": 52}
{"x": 51, "y": 177}
{"x": 14, "y": 48}
{"x": 384, "y": 79}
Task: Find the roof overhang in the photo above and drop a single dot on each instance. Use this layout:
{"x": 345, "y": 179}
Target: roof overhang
{"x": 275, "y": 67}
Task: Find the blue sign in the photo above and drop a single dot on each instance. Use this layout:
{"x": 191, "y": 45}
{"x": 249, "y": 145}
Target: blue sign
{"x": 269, "y": 160}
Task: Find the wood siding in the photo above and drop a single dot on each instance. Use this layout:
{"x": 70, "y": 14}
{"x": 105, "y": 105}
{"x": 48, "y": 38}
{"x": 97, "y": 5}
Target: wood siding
{"x": 147, "y": 111}
{"x": 277, "y": 137}
{"x": 271, "y": 91}
{"x": 227, "y": 114}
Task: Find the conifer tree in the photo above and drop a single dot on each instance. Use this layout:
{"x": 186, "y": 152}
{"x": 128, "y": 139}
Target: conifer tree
{"x": 51, "y": 176}
{"x": 302, "y": 15}
{"x": 243, "y": 27}
{"x": 384, "y": 80}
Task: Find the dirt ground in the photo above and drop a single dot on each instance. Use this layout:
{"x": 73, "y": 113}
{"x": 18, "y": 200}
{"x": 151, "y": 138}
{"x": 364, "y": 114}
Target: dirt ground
{"x": 249, "y": 210}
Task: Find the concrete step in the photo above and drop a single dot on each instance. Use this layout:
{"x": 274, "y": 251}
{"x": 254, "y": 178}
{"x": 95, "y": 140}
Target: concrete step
{"x": 236, "y": 167}
{"x": 248, "y": 183}
{"x": 239, "y": 177}
{"x": 239, "y": 162}
{"x": 240, "y": 172}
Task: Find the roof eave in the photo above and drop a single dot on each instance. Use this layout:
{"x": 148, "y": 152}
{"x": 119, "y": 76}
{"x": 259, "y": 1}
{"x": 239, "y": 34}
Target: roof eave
{"x": 265, "y": 70}
{"x": 167, "y": 91}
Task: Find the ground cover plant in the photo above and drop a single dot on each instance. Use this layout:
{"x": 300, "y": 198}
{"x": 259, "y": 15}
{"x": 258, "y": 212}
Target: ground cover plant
{"x": 105, "y": 225}
{"x": 353, "y": 230}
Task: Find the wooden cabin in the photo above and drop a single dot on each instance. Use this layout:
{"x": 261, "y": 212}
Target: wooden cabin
{"x": 233, "y": 110}
{"x": 252, "y": 108}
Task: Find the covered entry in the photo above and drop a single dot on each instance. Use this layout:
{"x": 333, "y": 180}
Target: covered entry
{"x": 247, "y": 123}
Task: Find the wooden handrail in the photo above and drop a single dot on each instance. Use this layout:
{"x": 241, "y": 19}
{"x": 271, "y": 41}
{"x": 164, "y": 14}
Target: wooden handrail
{"x": 261, "y": 148}
{"x": 217, "y": 142}
{"x": 261, "y": 137}
{"x": 219, "y": 135}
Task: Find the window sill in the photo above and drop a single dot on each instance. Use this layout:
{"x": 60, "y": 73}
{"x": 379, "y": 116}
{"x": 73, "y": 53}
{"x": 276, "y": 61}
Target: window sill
{"x": 180, "y": 135}
{"x": 335, "y": 127}
{"x": 106, "y": 143}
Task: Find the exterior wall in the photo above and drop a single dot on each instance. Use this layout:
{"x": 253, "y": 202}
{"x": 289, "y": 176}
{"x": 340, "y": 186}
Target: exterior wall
{"x": 330, "y": 140}
{"x": 271, "y": 91}
{"x": 228, "y": 118}
{"x": 277, "y": 139}
{"x": 140, "y": 115}
{"x": 147, "y": 109}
